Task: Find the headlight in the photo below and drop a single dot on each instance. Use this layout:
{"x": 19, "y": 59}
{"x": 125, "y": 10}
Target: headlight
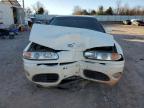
{"x": 102, "y": 55}
{"x": 40, "y": 55}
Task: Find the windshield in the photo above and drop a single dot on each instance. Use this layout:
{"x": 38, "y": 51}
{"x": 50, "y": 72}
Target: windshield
{"x": 78, "y": 22}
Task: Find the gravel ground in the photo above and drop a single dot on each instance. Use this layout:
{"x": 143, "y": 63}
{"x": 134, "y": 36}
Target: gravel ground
{"x": 125, "y": 29}
{"x": 17, "y": 92}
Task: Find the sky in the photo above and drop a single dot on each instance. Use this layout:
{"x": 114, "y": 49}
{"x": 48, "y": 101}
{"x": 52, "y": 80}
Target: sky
{"x": 65, "y": 7}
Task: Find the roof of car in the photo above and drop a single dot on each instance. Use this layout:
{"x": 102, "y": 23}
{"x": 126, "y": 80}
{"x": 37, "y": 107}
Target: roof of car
{"x": 76, "y": 16}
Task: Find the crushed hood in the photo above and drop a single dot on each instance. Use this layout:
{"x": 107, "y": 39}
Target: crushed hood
{"x": 66, "y": 38}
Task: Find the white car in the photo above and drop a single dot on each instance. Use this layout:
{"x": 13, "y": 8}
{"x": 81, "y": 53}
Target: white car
{"x": 132, "y": 20}
{"x": 72, "y": 46}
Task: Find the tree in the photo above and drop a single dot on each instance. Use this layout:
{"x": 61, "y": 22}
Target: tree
{"x": 109, "y": 11}
{"x": 39, "y": 8}
{"x": 142, "y": 11}
{"x": 100, "y": 10}
{"x": 125, "y": 10}
{"x": 118, "y": 4}
{"x": 77, "y": 10}
{"x": 138, "y": 10}
{"x": 92, "y": 12}
{"x": 28, "y": 12}
{"x": 84, "y": 12}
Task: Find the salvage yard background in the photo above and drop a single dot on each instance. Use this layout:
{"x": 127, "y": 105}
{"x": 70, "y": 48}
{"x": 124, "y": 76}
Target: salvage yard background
{"x": 17, "y": 92}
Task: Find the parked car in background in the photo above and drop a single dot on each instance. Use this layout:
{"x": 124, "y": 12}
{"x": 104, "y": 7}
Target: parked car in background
{"x": 72, "y": 46}
{"x": 138, "y": 22}
{"x": 127, "y": 22}
{"x": 132, "y": 20}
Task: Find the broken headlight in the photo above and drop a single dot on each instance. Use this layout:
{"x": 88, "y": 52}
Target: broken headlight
{"x": 104, "y": 53}
{"x": 40, "y": 55}
{"x": 39, "y": 52}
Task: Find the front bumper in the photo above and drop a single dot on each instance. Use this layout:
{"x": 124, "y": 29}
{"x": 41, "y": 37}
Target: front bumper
{"x": 99, "y": 71}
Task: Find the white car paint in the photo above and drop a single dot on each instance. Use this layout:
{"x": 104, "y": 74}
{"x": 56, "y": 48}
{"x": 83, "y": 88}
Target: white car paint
{"x": 59, "y": 37}
{"x": 133, "y": 20}
{"x": 75, "y": 40}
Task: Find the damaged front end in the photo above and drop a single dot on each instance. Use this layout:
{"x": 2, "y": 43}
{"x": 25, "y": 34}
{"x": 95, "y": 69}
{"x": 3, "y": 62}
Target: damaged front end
{"x": 56, "y": 53}
{"x": 49, "y": 67}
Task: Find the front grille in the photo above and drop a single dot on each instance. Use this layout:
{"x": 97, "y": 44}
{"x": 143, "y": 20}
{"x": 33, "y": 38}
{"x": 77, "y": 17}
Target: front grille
{"x": 46, "y": 78}
{"x": 95, "y": 75}
{"x": 70, "y": 79}
{"x": 67, "y": 63}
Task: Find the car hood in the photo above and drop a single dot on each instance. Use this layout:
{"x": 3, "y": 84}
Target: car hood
{"x": 66, "y": 38}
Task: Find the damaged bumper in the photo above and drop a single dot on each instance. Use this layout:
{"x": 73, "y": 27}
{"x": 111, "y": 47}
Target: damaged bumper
{"x": 52, "y": 74}
{"x": 60, "y": 53}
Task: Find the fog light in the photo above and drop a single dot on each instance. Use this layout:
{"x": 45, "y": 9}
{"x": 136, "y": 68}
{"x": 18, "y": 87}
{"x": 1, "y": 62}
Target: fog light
{"x": 117, "y": 75}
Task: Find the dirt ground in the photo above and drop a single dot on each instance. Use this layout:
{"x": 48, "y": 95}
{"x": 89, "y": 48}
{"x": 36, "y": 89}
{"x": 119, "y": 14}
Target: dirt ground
{"x": 17, "y": 92}
{"x": 124, "y": 29}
